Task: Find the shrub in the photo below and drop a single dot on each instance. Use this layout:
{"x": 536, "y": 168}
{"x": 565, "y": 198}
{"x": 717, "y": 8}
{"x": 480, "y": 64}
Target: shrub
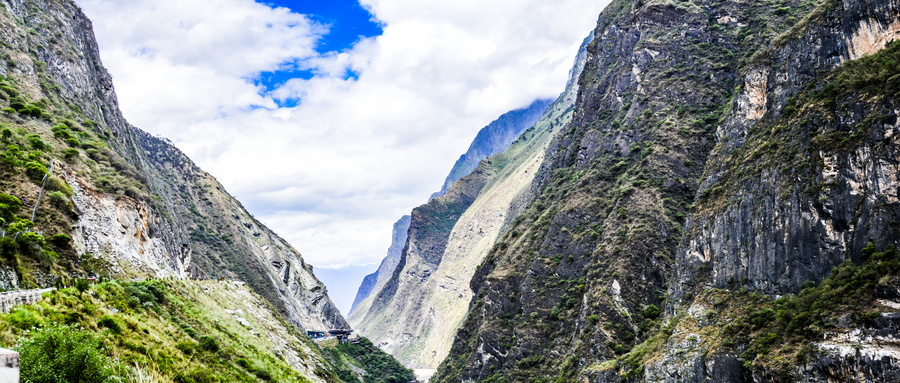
{"x": 30, "y": 241}
{"x": 36, "y": 142}
{"x": 64, "y": 354}
{"x": 71, "y": 154}
{"x": 201, "y": 375}
{"x": 17, "y": 105}
{"x": 263, "y": 374}
{"x": 35, "y": 170}
{"x": 7, "y": 133}
{"x": 63, "y": 134}
{"x": 61, "y": 241}
{"x": 188, "y": 348}
{"x": 73, "y": 142}
{"x": 651, "y": 312}
{"x": 57, "y": 184}
{"x": 58, "y": 199}
{"x": 22, "y": 318}
{"x": 209, "y": 343}
{"x": 12, "y": 92}
{"x": 9, "y": 206}
{"x": 11, "y": 158}
{"x": 82, "y": 285}
{"x": 8, "y": 248}
{"x": 110, "y": 323}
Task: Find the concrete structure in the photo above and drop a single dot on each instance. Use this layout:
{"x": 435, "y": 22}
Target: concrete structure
{"x": 9, "y": 366}
{"x": 18, "y": 297}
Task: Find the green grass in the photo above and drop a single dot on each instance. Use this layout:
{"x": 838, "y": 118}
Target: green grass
{"x": 171, "y": 327}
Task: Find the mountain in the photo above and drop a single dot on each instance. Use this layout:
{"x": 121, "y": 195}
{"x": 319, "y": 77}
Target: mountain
{"x": 117, "y": 201}
{"x": 416, "y": 312}
{"x": 721, "y": 207}
{"x": 494, "y": 138}
{"x": 490, "y": 140}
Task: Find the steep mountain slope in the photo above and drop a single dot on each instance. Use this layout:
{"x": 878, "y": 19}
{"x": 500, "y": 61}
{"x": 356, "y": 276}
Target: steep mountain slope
{"x": 490, "y": 140}
{"x": 494, "y": 138}
{"x": 415, "y": 315}
{"x": 708, "y": 160}
{"x": 133, "y": 205}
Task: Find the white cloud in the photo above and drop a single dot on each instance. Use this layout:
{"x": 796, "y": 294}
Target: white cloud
{"x": 332, "y": 174}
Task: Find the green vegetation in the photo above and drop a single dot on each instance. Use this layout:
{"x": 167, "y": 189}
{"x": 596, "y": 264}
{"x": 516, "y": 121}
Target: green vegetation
{"x": 120, "y": 331}
{"x": 380, "y": 367}
{"x": 778, "y": 334}
{"x": 61, "y": 353}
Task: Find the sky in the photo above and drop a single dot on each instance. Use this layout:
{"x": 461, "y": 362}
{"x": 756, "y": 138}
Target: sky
{"x": 329, "y": 120}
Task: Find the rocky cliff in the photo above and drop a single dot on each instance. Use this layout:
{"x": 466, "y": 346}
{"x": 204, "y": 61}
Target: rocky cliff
{"x": 494, "y": 138}
{"x": 130, "y": 204}
{"x": 490, "y": 140}
{"x": 414, "y": 316}
{"x": 721, "y": 154}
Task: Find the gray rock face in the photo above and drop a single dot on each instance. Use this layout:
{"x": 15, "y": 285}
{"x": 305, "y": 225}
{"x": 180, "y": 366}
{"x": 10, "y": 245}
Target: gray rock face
{"x": 772, "y": 233}
{"x": 191, "y": 227}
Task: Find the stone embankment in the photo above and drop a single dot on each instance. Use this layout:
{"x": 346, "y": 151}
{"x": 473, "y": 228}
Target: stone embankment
{"x": 17, "y": 297}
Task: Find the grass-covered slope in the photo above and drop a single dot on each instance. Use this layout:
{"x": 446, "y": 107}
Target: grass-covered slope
{"x": 178, "y": 331}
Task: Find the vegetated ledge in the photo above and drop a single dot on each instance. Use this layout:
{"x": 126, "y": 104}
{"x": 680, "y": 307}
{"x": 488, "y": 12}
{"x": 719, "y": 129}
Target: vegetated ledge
{"x": 773, "y": 338}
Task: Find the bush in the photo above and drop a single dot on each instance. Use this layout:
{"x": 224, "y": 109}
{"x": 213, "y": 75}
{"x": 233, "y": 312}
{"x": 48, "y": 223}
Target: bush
{"x": 651, "y": 312}
{"x": 263, "y": 374}
{"x": 7, "y": 133}
{"x": 22, "y": 318}
{"x": 36, "y": 142}
{"x": 64, "y": 354}
{"x": 57, "y": 184}
{"x": 61, "y": 241}
{"x": 29, "y": 242}
{"x": 198, "y": 376}
{"x": 12, "y": 157}
{"x": 110, "y": 323}
{"x": 71, "y": 154}
{"x": 9, "y": 207}
{"x": 209, "y": 343}
{"x": 58, "y": 199}
{"x": 8, "y": 249}
{"x": 12, "y": 92}
{"x": 35, "y": 170}
{"x": 82, "y": 285}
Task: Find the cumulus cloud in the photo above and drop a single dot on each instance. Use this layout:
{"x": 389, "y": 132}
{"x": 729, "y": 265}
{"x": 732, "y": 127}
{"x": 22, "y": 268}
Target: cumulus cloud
{"x": 334, "y": 172}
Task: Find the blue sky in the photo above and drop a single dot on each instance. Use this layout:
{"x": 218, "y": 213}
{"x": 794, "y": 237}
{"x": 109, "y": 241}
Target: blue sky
{"x": 328, "y": 126}
{"x": 348, "y": 23}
